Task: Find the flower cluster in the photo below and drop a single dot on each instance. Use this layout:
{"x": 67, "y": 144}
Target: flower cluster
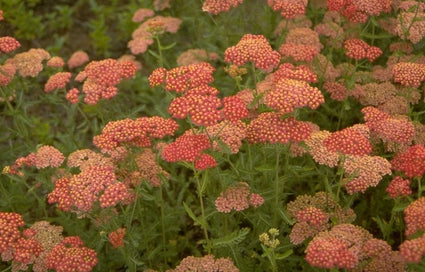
{"x": 349, "y": 141}
{"x": 8, "y": 44}
{"x": 55, "y": 62}
{"x": 409, "y": 73}
{"x": 9, "y": 225}
{"x": 217, "y": 6}
{"x": 288, "y": 8}
{"x": 149, "y": 169}
{"x": 101, "y": 78}
{"x": 193, "y": 56}
{"x": 358, "y": 11}
{"x": 71, "y": 255}
{"x": 399, "y": 187}
{"x": 83, "y": 190}
{"x": 380, "y": 257}
{"x": 143, "y": 36}
{"x": 318, "y": 151}
{"x": 237, "y": 198}
{"x": 270, "y": 242}
{"x": 364, "y": 171}
{"x": 116, "y": 237}
{"x": 57, "y": 81}
{"x": 337, "y": 90}
{"x": 411, "y": 23}
{"x": 206, "y": 263}
{"x": 413, "y": 250}
{"x": 138, "y": 132}
{"x": 359, "y": 49}
{"x": 313, "y": 214}
{"x": 253, "y": 48}
{"x": 7, "y": 71}
{"x": 411, "y": 161}
{"x": 270, "y": 127}
{"x": 29, "y": 63}
{"x": 77, "y": 59}
{"x": 229, "y": 133}
{"x": 83, "y": 158}
{"x": 414, "y": 216}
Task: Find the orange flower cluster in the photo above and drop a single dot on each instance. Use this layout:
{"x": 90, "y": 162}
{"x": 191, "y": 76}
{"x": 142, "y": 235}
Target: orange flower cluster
{"x": 116, "y": 237}
{"x": 358, "y": 11}
{"x": 413, "y": 250}
{"x": 229, "y": 133}
{"x": 143, "y": 36}
{"x": 77, "y": 59}
{"x": 193, "y": 56}
{"x": 289, "y": 8}
{"x": 29, "y": 63}
{"x": 7, "y": 71}
{"x": 269, "y": 127}
{"x": 102, "y": 78}
{"x": 217, "y": 6}
{"x": 337, "y": 90}
{"x": 288, "y": 94}
{"x": 149, "y": 169}
{"x": 138, "y": 132}
{"x": 72, "y": 95}
{"x": 183, "y": 78}
{"x": 290, "y": 71}
{"x": 349, "y": 141}
{"x": 188, "y": 147}
{"x": 313, "y": 214}
{"x": 399, "y": 187}
{"x": 71, "y": 255}
{"x": 341, "y": 247}
{"x": 411, "y": 161}
{"x": 206, "y": 263}
{"x": 237, "y": 198}
{"x": 319, "y": 152}
{"x": 55, "y": 62}
{"x": 9, "y": 225}
{"x": 8, "y": 44}
{"x": 253, "y": 48}
{"x": 94, "y": 183}
{"x": 364, "y": 171}
{"x": 57, "y": 81}
{"x": 409, "y": 73}
{"x": 414, "y": 216}
{"x": 358, "y": 49}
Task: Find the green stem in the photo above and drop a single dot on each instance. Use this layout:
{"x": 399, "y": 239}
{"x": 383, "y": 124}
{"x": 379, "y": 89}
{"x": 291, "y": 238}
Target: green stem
{"x": 162, "y": 224}
{"x": 161, "y": 57}
{"x": 200, "y": 190}
{"x": 276, "y": 185}
{"x": 419, "y": 187}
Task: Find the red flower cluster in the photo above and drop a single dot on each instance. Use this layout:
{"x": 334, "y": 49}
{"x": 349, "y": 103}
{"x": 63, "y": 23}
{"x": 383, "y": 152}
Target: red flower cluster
{"x": 289, "y": 71}
{"x": 183, "y": 78}
{"x": 138, "y": 132}
{"x": 348, "y": 141}
{"x": 103, "y": 76}
{"x": 318, "y": 151}
{"x": 399, "y": 187}
{"x": 270, "y": 127}
{"x": 413, "y": 250}
{"x": 358, "y": 11}
{"x": 9, "y": 226}
{"x": 414, "y": 216}
{"x": 188, "y": 147}
{"x": 237, "y": 198}
{"x": 71, "y": 255}
{"x": 359, "y": 49}
{"x": 411, "y": 161}
{"x": 8, "y": 44}
{"x": 234, "y": 108}
{"x": 57, "y": 81}
{"x": 206, "y": 264}
{"x": 116, "y": 237}
{"x": 288, "y": 94}
{"x": 289, "y": 8}
{"x": 254, "y": 48}
{"x": 217, "y": 6}
{"x": 409, "y": 73}
{"x": 94, "y": 183}
{"x": 364, "y": 172}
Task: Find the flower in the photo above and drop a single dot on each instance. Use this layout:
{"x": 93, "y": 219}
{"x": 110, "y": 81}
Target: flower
{"x": 57, "y": 81}
{"x": 381, "y": 257}
{"x": 48, "y": 156}
{"x": 413, "y": 250}
{"x": 269, "y": 127}
{"x": 72, "y": 95}
{"x": 8, "y": 44}
{"x": 289, "y": 71}
{"x": 193, "y": 56}
{"x": 205, "y": 161}
{"x": 29, "y": 63}
{"x": 348, "y": 141}
{"x": 70, "y": 255}
{"x": 207, "y": 263}
{"x": 9, "y": 224}
{"x": 234, "y": 108}
{"x": 149, "y": 169}
{"x": 409, "y": 73}
{"x": 217, "y": 6}
{"x": 229, "y": 133}
{"x": 414, "y": 216}
{"x": 116, "y": 237}
{"x": 410, "y": 24}
{"x": 411, "y": 161}
{"x": 399, "y": 187}
{"x": 318, "y": 151}
{"x": 299, "y": 52}
{"x": 141, "y": 14}
{"x": 359, "y": 49}
{"x": 364, "y": 171}
{"x": 337, "y": 90}
{"x": 288, "y": 8}
{"x": 56, "y": 62}
{"x": 358, "y": 11}
{"x": 254, "y": 48}
{"x": 187, "y": 147}
{"x": 113, "y": 194}
{"x": 7, "y": 71}
{"x": 77, "y": 59}
{"x": 25, "y": 250}
{"x": 237, "y": 198}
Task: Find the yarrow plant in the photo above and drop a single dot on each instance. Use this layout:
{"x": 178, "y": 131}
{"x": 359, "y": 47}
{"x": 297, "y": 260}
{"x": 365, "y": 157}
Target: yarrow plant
{"x": 203, "y": 136}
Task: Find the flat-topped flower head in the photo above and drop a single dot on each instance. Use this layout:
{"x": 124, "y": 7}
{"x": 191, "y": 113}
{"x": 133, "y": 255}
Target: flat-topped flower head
{"x": 48, "y": 156}
{"x": 217, "y": 6}
{"x": 7, "y": 71}
{"x": 57, "y": 81}
{"x": 234, "y": 108}
{"x": 8, "y": 44}
{"x": 205, "y": 161}
{"x": 269, "y": 127}
{"x": 253, "y": 48}
{"x": 77, "y": 59}
{"x": 299, "y": 52}
{"x": 348, "y": 141}
{"x": 237, "y": 198}
{"x": 413, "y": 250}
{"x": 229, "y": 133}
{"x": 10, "y": 233}
{"x": 358, "y": 49}
{"x": 149, "y": 169}
{"x": 359, "y": 11}
{"x": 55, "y": 62}
{"x": 409, "y": 73}
{"x": 301, "y": 72}
{"x": 29, "y": 63}
{"x": 319, "y": 152}
{"x": 193, "y": 56}
{"x": 187, "y": 147}
{"x": 411, "y": 161}
{"x": 289, "y": 9}
{"x": 207, "y": 263}
{"x": 399, "y": 187}
{"x": 414, "y": 216}
{"x": 141, "y": 14}
{"x": 116, "y": 237}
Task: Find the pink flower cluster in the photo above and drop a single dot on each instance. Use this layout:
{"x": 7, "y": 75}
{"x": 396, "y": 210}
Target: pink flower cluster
{"x": 288, "y": 8}
{"x": 399, "y": 187}
{"x": 237, "y": 198}
{"x": 217, "y": 6}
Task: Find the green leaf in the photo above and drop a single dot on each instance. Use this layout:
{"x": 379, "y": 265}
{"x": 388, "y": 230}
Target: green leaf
{"x": 286, "y": 254}
{"x": 265, "y": 168}
{"x": 192, "y": 215}
{"x": 168, "y": 46}
{"x": 231, "y": 239}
